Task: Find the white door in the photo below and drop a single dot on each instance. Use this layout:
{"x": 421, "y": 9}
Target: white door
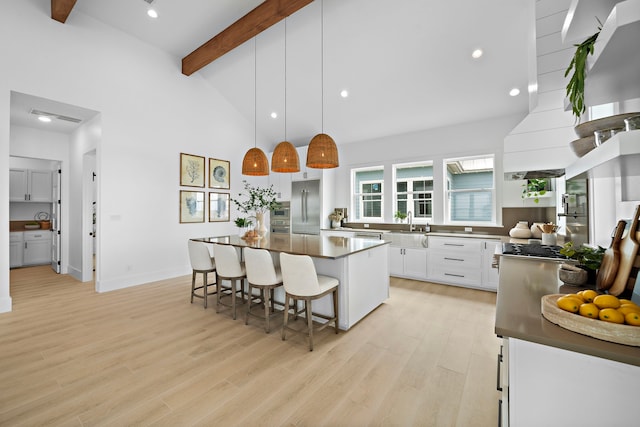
{"x": 55, "y": 221}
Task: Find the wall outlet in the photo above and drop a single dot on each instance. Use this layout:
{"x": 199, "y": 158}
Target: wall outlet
{"x": 468, "y": 229}
{"x": 366, "y": 225}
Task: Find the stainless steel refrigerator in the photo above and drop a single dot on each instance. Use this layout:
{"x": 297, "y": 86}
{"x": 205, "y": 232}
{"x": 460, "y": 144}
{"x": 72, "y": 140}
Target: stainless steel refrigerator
{"x": 305, "y": 207}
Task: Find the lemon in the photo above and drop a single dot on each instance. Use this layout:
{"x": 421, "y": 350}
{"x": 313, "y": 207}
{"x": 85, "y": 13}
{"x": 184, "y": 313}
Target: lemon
{"x": 606, "y": 301}
{"x": 577, "y": 296}
{"x": 628, "y": 308}
{"x": 626, "y": 301}
{"x": 589, "y": 310}
{"x": 569, "y": 303}
{"x": 589, "y": 295}
{"x": 632, "y": 318}
{"x": 611, "y": 315}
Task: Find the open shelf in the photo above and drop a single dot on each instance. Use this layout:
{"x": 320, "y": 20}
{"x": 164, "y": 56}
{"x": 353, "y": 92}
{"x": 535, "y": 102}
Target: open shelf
{"x": 618, "y": 156}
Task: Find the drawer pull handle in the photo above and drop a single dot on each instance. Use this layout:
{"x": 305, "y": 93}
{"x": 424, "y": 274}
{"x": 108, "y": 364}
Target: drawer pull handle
{"x": 453, "y": 259}
{"x": 454, "y": 275}
{"x": 454, "y": 244}
{"x": 498, "y": 379}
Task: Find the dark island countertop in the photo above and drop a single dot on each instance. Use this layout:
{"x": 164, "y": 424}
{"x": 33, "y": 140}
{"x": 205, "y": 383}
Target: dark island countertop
{"x": 302, "y": 244}
{"x": 522, "y": 284}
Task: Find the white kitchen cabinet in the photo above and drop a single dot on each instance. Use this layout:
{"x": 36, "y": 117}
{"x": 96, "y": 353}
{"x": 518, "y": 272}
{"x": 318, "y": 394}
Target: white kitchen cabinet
{"x": 37, "y": 247}
{"x": 26, "y": 185}
{"x": 16, "y": 244}
{"x": 407, "y": 255}
{"x": 489, "y": 273}
{"x": 456, "y": 261}
{"x": 541, "y": 376}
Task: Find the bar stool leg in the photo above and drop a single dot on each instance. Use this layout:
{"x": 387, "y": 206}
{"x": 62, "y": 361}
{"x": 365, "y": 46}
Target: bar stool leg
{"x": 265, "y": 301}
{"x": 204, "y": 288}
{"x": 307, "y": 305}
{"x": 286, "y": 315}
{"x": 193, "y": 284}
{"x": 335, "y": 308}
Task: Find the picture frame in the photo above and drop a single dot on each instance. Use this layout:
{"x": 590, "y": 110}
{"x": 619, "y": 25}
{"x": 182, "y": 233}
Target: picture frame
{"x": 191, "y": 206}
{"x": 219, "y": 207}
{"x": 219, "y": 174}
{"x": 192, "y": 170}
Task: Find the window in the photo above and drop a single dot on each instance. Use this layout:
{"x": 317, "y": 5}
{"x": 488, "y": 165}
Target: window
{"x": 368, "y": 193}
{"x": 414, "y": 190}
{"x": 470, "y": 189}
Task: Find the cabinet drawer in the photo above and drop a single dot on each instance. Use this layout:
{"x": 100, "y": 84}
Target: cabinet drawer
{"x": 463, "y": 276}
{"x": 458, "y": 245}
{"x": 30, "y": 236}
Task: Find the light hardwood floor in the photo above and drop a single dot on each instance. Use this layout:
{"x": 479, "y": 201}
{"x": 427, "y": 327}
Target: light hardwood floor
{"x": 146, "y": 356}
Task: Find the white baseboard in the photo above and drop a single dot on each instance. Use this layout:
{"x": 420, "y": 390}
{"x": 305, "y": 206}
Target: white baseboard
{"x": 141, "y": 279}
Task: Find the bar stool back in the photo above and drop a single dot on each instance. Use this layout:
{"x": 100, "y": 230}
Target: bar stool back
{"x": 301, "y": 282}
{"x": 263, "y": 275}
{"x": 229, "y": 267}
{"x": 201, "y": 262}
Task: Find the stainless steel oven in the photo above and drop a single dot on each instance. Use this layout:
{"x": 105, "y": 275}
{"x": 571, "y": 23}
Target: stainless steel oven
{"x": 281, "y": 219}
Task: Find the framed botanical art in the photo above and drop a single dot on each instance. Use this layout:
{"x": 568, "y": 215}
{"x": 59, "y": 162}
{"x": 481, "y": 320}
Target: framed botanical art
{"x": 219, "y": 174}
{"x": 191, "y": 170}
{"x": 218, "y": 207}
{"x": 191, "y": 206}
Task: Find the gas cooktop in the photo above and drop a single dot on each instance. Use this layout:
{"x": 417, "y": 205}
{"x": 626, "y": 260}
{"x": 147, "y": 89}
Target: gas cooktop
{"x": 532, "y": 250}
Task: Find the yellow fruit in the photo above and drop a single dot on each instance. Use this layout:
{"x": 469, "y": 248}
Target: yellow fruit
{"x": 611, "y": 315}
{"x": 589, "y": 295}
{"x": 626, "y": 301}
{"x": 578, "y": 296}
{"x": 632, "y": 319}
{"x": 606, "y": 301}
{"x": 569, "y": 303}
{"x": 589, "y": 310}
{"x": 628, "y": 308}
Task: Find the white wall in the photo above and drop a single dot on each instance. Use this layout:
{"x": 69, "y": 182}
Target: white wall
{"x": 465, "y": 139}
{"x": 150, "y": 113}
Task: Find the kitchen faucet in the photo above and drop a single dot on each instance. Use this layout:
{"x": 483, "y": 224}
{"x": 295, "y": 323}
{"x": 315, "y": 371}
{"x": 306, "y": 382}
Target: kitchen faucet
{"x": 410, "y": 216}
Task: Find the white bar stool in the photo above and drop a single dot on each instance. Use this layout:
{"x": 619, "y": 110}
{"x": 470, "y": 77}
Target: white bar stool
{"x": 228, "y": 267}
{"x": 201, "y": 262}
{"x": 301, "y": 282}
{"x": 263, "y": 275}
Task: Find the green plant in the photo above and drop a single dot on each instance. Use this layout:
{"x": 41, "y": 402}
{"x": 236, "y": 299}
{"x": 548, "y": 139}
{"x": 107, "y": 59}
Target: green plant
{"x": 242, "y": 222}
{"x": 259, "y": 200}
{"x": 588, "y": 257}
{"x": 400, "y": 215}
{"x": 534, "y": 188}
{"x": 575, "y": 87}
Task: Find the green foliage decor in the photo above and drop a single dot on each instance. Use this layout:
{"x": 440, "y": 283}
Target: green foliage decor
{"x": 242, "y": 222}
{"x": 259, "y": 200}
{"x": 575, "y": 87}
{"x": 589, "y": 257}
{"x": 534, "y": 188}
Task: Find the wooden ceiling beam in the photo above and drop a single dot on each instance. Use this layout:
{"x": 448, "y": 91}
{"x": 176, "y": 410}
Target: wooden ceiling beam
{"x": 60, "y": 9}
{"x": 250, "y": 25}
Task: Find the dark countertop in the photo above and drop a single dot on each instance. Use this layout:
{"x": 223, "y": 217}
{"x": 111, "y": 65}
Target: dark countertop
{"x": 523, "y": 282}
{"x": 302, "y": 244}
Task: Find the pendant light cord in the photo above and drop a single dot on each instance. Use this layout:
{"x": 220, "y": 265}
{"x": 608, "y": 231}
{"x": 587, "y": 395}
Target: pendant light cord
{"x": 322, "y": 62}
{"x": 285, "y": 79}
{"x": 255, "y": 92}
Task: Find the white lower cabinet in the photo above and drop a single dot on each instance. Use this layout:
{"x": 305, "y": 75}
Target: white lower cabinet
{"x": 549, "y": 386}
{"x": 37, "y": 247}
{"x": 16, "y": 249}
{"x": 456, "y": 261}
{"x": 489, "y": 273}
{"x": 408, "y": 262}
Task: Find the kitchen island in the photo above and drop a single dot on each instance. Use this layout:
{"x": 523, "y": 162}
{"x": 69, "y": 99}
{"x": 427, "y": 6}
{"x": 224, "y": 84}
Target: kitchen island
{"x": 361, "y": 265}
{"x": 552, "y": 376}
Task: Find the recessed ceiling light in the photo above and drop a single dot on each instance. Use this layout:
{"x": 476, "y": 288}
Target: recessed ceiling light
{"x": 344, "y": 93}
{"x": 44, "y": 119}
{"x": 476, "y": 53}
{"x": 152, "y": 13}
{"x": 274, "y": 115}
{"x": 514, "y": 92}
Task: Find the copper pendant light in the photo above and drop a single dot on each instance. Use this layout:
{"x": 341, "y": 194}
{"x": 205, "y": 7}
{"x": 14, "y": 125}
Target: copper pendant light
{"x": 285, "y": 157}
{"x": 255, "y": 162}
{"x": 322, "y": 152}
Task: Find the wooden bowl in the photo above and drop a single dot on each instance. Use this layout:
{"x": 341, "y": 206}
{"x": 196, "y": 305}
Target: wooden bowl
{"x": 583, "y": 145}
{"x": 588, "y": 128}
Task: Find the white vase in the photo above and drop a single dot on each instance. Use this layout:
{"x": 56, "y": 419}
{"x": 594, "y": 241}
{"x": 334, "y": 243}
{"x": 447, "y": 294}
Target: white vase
{"x": 536, "y": 233}
{"x": 521, "y": 230}
{"x": 261, "y": 229}
{"x": 335, "y": 224}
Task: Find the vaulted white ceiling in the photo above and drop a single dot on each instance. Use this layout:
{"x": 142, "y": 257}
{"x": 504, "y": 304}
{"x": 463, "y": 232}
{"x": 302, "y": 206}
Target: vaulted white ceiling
{"x": 406, "y": 64}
